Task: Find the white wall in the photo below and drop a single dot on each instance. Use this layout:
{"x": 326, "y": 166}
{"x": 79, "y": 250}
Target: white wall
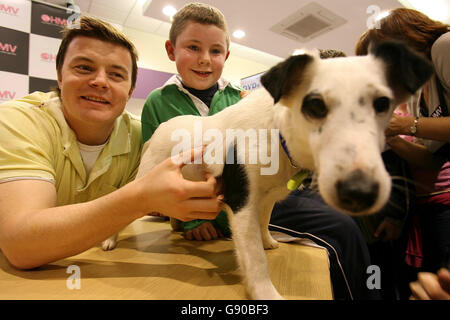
{"x": 135, "y": 106}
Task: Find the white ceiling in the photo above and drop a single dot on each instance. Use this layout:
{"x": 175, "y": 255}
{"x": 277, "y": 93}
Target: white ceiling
{"x": 255, "y": 17}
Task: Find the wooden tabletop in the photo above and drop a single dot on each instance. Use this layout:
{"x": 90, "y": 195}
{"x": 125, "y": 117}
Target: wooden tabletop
{"x": 152, "y": 262}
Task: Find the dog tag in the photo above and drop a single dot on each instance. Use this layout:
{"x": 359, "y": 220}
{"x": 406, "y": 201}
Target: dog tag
{"x": 297, "y": 180}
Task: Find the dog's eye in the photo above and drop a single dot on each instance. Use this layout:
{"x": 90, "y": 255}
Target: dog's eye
{"x": 314, "y": 107}
{"x": 381, "y": 104}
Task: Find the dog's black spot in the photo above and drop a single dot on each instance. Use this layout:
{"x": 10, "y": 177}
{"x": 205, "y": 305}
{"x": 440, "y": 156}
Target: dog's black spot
{"x": 350, "y": 151}
{"x": 357, "y": 120}
{"x": 235, "y": 183}
{"x": 362, "y": 101}
{"x": 319, "y": 130}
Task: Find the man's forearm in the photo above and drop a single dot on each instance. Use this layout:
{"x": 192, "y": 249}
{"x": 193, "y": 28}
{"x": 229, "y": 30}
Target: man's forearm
{"x": 33, "y": 231}
{"x": 51, "y": 234}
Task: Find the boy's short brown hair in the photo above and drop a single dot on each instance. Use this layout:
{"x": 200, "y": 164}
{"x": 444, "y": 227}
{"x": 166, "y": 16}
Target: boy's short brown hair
{"x": 331, "y": 53}
{"x": 200, "y": 13}
{"x": 98, "y": 29}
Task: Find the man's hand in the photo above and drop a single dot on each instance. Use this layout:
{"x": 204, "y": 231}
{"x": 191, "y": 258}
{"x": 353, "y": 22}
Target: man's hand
{"x": 165, "y": 190}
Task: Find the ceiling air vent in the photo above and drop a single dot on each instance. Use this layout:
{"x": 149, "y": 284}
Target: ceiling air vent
{"x": 308, "y": 22}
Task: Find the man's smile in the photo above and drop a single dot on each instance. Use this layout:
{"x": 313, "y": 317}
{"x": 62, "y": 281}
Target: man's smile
{"x": 95, "y": 99}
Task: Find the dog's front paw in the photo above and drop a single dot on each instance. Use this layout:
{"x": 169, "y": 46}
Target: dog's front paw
{"x": 269, "y": 242}
{"x": 110, "y": 243}
{"x": 272, "y": 296}
{"x": 267, "y": 294}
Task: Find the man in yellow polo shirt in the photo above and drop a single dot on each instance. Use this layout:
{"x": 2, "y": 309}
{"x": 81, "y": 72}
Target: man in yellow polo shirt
{"x": 68, "y": 159}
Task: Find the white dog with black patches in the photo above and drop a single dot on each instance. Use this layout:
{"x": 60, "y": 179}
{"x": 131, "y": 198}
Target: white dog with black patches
{"x": 332, "y": 115}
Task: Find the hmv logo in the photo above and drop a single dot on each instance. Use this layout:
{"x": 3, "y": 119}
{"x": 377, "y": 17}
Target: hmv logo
{"x": 48, "y": 57}
{"x": 53, "y": 20}
{"x": 8, "y": 9}
{"x": 8, "y": 48}
{"x": 7, "y": 95}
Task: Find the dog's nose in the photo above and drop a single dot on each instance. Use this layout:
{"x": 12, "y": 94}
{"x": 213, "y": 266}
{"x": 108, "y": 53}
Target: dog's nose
{"x": 357, "y": 192}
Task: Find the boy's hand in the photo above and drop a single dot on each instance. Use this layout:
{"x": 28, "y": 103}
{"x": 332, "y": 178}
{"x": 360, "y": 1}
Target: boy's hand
{"x": 205, "y": 231}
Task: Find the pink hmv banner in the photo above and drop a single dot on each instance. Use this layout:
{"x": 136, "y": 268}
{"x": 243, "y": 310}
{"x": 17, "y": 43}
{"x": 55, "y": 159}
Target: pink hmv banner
{"x": 30, "y": 35}
{"x": 29, "y": 41}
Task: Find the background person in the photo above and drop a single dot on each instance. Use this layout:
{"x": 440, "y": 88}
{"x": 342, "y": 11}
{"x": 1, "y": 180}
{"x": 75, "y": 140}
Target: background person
{"x": 428, "y": 123}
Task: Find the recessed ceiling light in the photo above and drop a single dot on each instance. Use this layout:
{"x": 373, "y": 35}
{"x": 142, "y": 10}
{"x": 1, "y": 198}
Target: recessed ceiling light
{"x": 239, "y": 34}
{"x": 298, "y": 52}
{"x": 382, "y": 15}
{"x": 435, "y": 9}
{"x": 169, "y": 11}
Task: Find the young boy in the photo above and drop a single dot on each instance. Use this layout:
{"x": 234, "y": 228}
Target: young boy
{"x": 199, "y": 45}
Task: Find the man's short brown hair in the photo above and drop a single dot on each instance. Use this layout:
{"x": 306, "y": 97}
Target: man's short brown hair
{"x": 98, "y": 29}
{"x": 200, "y": 13}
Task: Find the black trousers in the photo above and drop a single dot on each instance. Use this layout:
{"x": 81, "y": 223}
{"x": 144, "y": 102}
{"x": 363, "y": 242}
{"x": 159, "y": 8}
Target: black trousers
{"x": 304, "y": 214}
{"x": 435, "y": 223}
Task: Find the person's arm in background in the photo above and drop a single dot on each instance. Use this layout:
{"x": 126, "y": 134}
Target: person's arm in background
{"x": 427, "y": 128}
{"x": 416, "y": 154}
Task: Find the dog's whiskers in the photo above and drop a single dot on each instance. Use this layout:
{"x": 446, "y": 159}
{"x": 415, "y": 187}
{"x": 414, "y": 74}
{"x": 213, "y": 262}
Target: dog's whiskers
{"x": 402, "y": 178}
{"x": 399, "y": 187}
{"x": 409, "y": 183}
{"x": 394, "y": 205}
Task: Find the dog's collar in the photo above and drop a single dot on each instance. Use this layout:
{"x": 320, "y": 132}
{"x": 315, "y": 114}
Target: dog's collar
{"x": 298, "y": 179}
{"x": 285, "y": 148}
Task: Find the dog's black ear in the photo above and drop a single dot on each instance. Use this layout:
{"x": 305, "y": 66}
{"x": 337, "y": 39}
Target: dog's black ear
{"x": 282, "y": 78}
{"x": 406, "y": 70}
